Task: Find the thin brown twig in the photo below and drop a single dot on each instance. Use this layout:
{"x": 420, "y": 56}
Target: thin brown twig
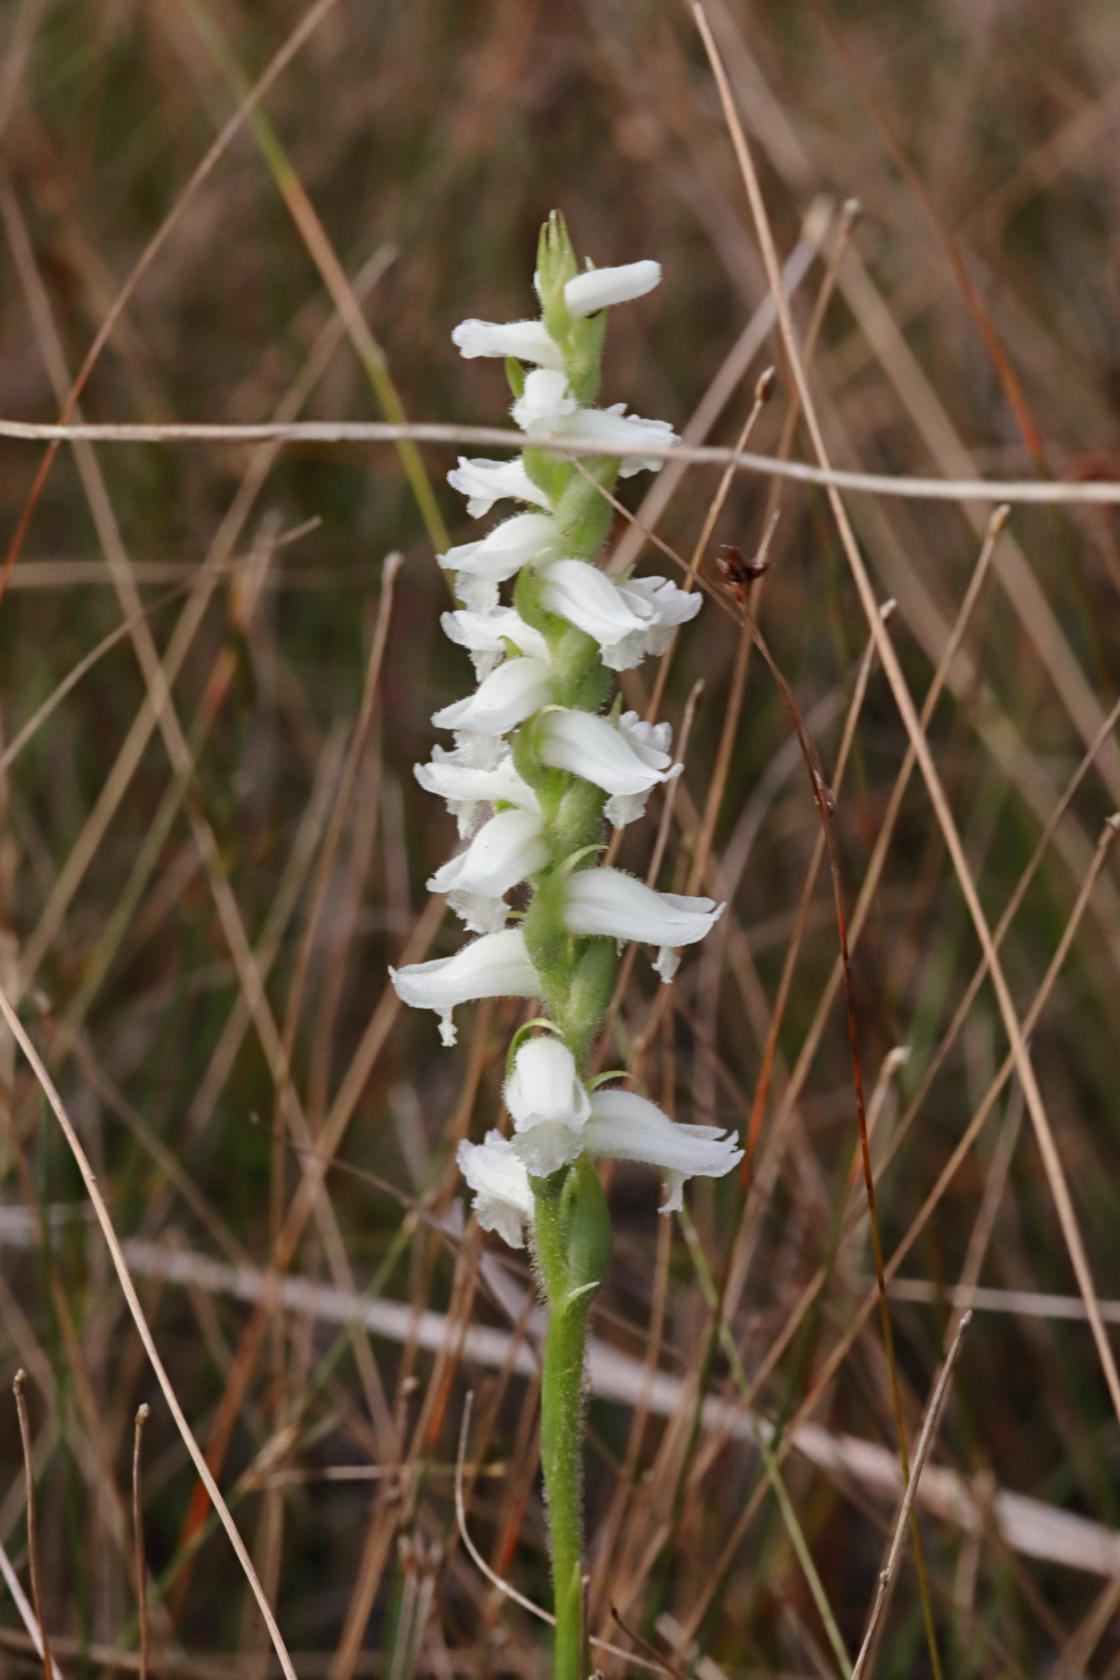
{"x": 912, "y": 486}
{"x": 279, "y": 62}
{"x": 25, "y": 1612}
{"x": 921, "y": 1453}
{"x": 1043, "y": 1133}
{"x": 142, "y": 1413}
{"x": 18, "y": 1385}
{"x": 128, "y": 1288}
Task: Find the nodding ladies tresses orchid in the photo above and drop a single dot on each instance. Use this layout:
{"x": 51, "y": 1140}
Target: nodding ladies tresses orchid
{"x": 541, "y": 763}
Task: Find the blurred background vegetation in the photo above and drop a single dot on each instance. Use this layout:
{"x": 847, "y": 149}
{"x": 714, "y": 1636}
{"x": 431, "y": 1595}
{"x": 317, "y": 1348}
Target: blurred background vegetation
{"x": 197, "y": 908}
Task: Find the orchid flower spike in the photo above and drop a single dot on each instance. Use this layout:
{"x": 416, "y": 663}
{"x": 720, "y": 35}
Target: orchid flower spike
{"x": 540, "y": 762}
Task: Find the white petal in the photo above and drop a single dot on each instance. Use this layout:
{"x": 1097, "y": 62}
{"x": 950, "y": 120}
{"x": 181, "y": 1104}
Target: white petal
{"x": 506, "y": 850}
{"x": 486, "y": 482}
{"x": 502, "y": 700}
{"x": 546, "y": 1148}
{"x": 545, "y": 1085}
{"x": 503, "y": 1198}
{"x": 497, "y": 965}
{"x": 666, "y": 607}
{"x": 587, "y": 598}
{"x": 610, "y": 903}
{"x": 549, "y": 1105}
{"x": 599, "y": 288}
{"x": 485, "y": 634}
{"x": 651, "y": 741}
{"x": 600, "y": 752}
{"x": 529, "y": 341}
{"x": 469, "y": 786}
{"x": 480, "y": 566}
{"x": 544, "y": 402}
{"x": 622, "y": 809}
{"x": 628, "y": 1127}
{"x": 616, "y": 431}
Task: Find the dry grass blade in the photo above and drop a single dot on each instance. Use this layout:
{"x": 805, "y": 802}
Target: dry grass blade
{"x": 1027, "y": 1525}
{"x": 18, "y": 1386}
{"x": 129, "y": 1291}
{"x": 322, "y": 253}
{"x": 25, "y": 1611}
{"x": 1043, "y": 1133}
{"x": 921, "y": 1453}
{"x": 142, "y": 1413}
{"x": 280, "y": 61}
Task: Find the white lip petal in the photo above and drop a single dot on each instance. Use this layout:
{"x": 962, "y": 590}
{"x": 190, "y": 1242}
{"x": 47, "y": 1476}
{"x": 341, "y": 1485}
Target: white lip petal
{"x": 628, "y": 1127}
{"x": 600, "y": 288}
{"x": 497, "y": 965}
{"x": 600, "y": 752}
{"x": 651, "y": 741}
{"x": 615, "y": 431}
{"x": 667, "y": 605}
{"x": 610, "y": 903}
{"x": 529, "y": 341}
{"x": 506, "y": 850}
{"x": 484, "y": 633}
{"x": 502, "y": 700}
{"x": 486, "y": 482}
{"x": 503, "y": 1198}
{"x": 664, "y": 607}
{"x": 544, "y": 402}
{"x": 586, "y": 597}
{"x": 546, "y": 1148}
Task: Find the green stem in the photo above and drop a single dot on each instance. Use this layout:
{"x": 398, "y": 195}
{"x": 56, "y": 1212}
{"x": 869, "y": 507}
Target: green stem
{"x": 572, "y": 1235}
{"x": 561, "y": 1461}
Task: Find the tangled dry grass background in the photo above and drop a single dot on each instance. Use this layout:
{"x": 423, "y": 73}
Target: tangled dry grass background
{"x": 219, "y": 663}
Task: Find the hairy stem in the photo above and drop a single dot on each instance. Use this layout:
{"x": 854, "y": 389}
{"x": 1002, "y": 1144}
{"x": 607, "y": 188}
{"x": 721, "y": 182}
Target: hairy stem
{"x": 561, "y": 1461}
{"x": 572, "y": 1234}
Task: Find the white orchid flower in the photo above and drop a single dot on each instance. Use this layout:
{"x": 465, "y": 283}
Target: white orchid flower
{"x": 586, "y": 597}
{"x": 548, "y": 1103}
{"x": 601, "y": 288}
{"x": 663, "y": 606}
{"x": 497, "y": 965}
{"x": 610, "y": 903}
{"x": 651, "y": 743}
{"x": 507, "y": 849}
{"x": 477, "y": 773}
{"x": 528, "y": 341}
{"x": 486, "y": 482}
{"x": 502, "y": 700}
{"x": 628, "y": 1127}
{"x": 547, "y": 408}
{"x": 545, "y": 401}
{"x": 479, "y": 567}
{"x": 485, "y": 635}
{"x": 624, "y": 759}
{"x": 503, "y": 1199}
{"x": 616, "y": 431}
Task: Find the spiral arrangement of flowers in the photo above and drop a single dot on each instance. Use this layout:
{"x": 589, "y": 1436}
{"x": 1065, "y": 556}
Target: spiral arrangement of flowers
{"x": 542, "y": 762}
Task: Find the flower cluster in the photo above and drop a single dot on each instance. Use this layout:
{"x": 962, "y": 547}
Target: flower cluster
{"x": 539, "y": 763}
